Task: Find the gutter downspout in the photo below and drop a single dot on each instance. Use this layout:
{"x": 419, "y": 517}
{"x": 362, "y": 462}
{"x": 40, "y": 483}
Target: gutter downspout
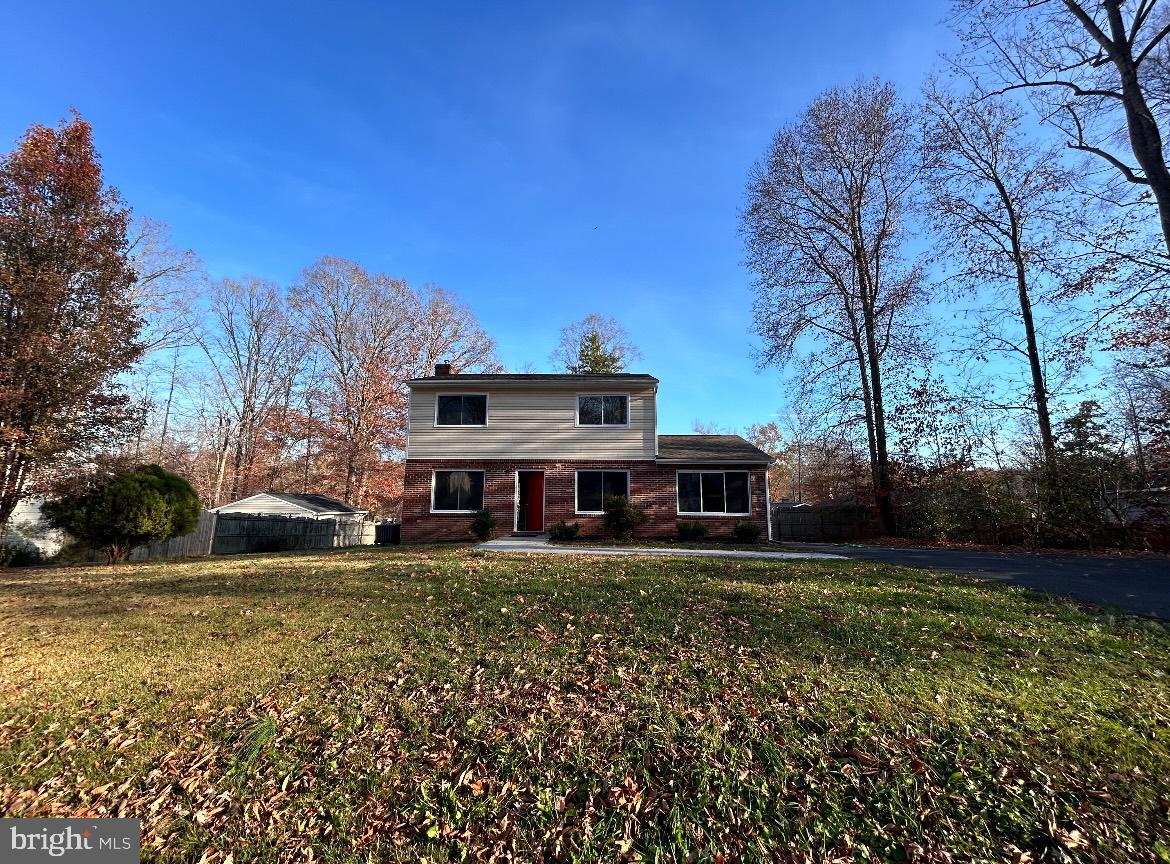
{"x": 768, "y": 498}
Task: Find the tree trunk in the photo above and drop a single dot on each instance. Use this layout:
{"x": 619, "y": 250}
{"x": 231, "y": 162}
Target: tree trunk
{"x": 867, "y": 400}
{"x": 221, "y": 458}
{"x": 350, "y": 469}
{"x": 882, "y": 484}
{"x": 1039, "y": 389}
{"x": 12, "y": 489}
{"x": 1144, "y": 136}
{"x": 162, "y": 438}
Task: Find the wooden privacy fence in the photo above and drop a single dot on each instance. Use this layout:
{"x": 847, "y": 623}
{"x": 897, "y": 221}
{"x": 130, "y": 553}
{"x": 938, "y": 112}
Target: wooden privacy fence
{"x": 386, "y": 533}
{"x": 242, "y": 532}
{"x": 235, "y": 533}
{"x": 198, "y": 542}
{"x": 816, "y": 524}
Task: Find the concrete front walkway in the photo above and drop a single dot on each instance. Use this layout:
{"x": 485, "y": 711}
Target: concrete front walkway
{"x": 540, "y": 545}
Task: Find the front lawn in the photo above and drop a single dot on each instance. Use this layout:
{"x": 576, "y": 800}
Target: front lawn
{"x": 674, "y": 543}
{"x": 441, "y": 704}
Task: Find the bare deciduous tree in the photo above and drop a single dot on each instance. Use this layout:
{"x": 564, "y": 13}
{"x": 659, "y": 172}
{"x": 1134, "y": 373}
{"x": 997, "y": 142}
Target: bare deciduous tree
{"x": 168, "y": 281}
{"x": 447, "y": 330}
{"x": 253, "y": 353}
{"x": 362, "y": 326}
{"x": 1097, "y": 72}
{"x": 1000, "y": 204}
{"x": 596, "y": 343}
{"x": 823, "y": 227}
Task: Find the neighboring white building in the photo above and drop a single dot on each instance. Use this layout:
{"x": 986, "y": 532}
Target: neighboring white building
{"x": 27, "y": 527}
{"x": 289, "y": 504}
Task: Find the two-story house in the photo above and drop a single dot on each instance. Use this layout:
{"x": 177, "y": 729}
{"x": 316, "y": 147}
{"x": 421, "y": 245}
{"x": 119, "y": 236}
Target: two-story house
{"x": 534, "y": 449}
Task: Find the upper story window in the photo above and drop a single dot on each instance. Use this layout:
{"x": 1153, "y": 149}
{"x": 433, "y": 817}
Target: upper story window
{"x": 722, "y": 493}
{"x": 461, "y": 409}
{"x": 609, "y": 409}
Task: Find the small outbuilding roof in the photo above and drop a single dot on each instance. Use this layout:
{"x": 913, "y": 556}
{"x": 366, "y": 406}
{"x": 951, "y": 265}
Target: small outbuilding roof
{"x": 724, "y": 449}
{"x": 318, "y": 505}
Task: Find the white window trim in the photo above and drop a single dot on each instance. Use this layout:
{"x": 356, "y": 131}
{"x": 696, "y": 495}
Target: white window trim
{"x": 678, "y": 508}
{"x": 544, "y": 504}
{"x": 629, "y": 488}
{"x": 435, "y": 471}
{"x": 486, "y": 412}
{"x": 577, "y": 412}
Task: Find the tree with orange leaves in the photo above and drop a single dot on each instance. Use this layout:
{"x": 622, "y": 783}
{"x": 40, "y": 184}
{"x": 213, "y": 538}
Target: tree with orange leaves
{"x": 68, "y": 325}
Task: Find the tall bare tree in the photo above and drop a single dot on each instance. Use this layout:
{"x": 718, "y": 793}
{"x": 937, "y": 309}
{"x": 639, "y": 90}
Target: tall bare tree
{"x": 596, "y": 343}
{"x": 361, "y": 324}
{"x": 823, "y": 227}
{"x": 1098, "y": 72}
{"x": 446, "y": 329}
{"x": 168, "y": 281}
{"x": 371, "y": 334}
{"x": 253, "y": 353}
{"x": 1001, "y": 204}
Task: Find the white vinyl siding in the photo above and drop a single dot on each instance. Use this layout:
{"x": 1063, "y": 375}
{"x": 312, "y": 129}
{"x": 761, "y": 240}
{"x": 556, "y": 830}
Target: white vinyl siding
{"x": 266, "y": 505}
{"x": 531, "y": 424}
{"x": 263, "y": 504}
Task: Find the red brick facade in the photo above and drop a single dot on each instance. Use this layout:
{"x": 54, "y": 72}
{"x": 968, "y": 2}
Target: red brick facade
{"x": 652, "y": 487}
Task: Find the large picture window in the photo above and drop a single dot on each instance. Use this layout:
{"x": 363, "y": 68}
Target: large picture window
{"x": 593, "y": 487}
{"x": 457, "y": 492}
{"x": 603, "y": 410}
{"x": 722, "y": 493}
{"x": 461, "y": 409}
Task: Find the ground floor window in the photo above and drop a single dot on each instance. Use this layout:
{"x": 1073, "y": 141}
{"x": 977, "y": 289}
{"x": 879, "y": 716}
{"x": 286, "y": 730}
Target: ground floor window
{"x": 457, "y": 492}
{"x": 593, "y": 487}
{"x": 722, "y": 493}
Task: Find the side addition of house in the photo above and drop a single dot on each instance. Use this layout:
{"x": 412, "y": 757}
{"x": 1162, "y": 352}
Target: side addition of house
{"x": 534, "y": 449}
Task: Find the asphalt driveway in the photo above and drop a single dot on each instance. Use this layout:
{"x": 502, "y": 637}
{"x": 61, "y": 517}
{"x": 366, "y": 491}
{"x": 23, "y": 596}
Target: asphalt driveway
{"x": 1140, "y": 585}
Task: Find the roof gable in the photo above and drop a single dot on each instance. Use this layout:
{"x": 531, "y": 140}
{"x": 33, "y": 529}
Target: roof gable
{"x": 316, "y": 503}
{"x": 313, "y": 504}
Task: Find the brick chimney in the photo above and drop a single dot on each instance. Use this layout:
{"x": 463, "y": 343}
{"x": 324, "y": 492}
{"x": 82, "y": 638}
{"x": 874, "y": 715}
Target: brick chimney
{"x": 443, "y": 369}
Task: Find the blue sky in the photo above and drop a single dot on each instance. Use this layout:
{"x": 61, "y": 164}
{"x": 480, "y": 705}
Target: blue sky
{"x": 541, "y": 160}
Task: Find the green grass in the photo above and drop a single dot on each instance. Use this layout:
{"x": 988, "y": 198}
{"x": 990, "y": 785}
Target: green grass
{"x": 440, "y": 704}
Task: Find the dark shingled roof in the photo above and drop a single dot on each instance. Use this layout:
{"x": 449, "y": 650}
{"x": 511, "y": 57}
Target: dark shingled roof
{"x": 316, "y": 503}
{"x": 728, "y": 449}
{"x": 506, "y": 377}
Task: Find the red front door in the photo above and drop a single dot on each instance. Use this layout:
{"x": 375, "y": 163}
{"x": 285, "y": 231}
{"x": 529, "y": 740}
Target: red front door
{"x": 531, "y": 501}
